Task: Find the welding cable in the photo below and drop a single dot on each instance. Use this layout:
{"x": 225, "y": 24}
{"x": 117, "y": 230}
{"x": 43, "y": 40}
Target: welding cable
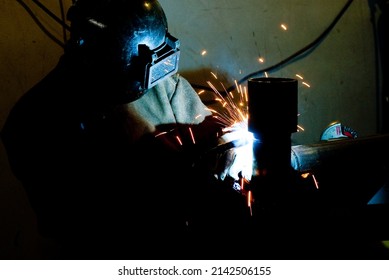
{"x": 52, "y": 15}
{"x": 64, "y": 26}
{"x": 302, "y": 52}
{"x": 40, "y": 25}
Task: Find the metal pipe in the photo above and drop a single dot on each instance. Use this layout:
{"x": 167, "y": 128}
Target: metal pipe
{"x": 349, "y": 171}
{"x": 361, "y": 151}
{"x": 272, "y": 108}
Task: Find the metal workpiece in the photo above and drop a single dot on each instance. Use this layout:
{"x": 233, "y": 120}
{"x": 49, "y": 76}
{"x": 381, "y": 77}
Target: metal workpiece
{"x": 272, "y": 108}
{"x": 366, "y": 150}
{"x": 272, "y": 105}
{"x": 348, "y": 171}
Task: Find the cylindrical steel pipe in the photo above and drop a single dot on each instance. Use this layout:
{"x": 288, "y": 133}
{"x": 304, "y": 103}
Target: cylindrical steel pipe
{"x": 348, "y": 171}
{"x": 272, "y": 108}
{"x": 361, "y": 151}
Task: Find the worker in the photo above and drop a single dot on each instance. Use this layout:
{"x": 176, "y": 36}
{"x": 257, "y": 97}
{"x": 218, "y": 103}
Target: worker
{"x": 111, "y": 145}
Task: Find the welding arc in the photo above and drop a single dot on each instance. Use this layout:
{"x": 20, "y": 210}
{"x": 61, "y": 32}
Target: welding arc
{"x": 304, "y": 51}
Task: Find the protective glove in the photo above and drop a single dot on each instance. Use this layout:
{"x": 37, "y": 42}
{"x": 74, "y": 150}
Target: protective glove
{"x": 234, "y": 154}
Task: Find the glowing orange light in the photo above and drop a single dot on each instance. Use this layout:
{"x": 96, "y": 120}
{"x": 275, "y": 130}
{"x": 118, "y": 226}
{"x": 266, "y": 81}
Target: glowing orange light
{"x": 242, "y": 183}
{"x": 161, "y": 133}
{"x": 179, "y": 140}
{"x": 249, "y": 199}
{"x": 231, "y": 113}
{"x": 299, "y": 127}
{"x": 316, "y": 182}
{"x": 305, "y": 175}
{"x": 237, "y": 86}
{"x": 191, "y": 135}
{"x": 212, "y": 110}
{"x": 283, "y": 26}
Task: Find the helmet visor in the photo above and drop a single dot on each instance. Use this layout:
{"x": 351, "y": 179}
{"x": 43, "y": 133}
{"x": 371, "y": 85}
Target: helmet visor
{"x": 160, "y": 63}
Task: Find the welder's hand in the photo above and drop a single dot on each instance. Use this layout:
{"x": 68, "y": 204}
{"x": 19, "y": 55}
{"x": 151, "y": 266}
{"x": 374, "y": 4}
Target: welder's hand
{"x": 235, "y": 154}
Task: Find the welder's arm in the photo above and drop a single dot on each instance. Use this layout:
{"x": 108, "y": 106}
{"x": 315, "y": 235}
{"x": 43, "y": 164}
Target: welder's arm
{"x": 234, "y": 154}
{"x": 227, "y": 153}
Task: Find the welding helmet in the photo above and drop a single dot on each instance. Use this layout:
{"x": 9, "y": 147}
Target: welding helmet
{"x": 127, "y": 41}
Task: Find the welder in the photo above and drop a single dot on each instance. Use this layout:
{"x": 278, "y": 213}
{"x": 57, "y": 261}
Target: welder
{"x": 109, "y": 144}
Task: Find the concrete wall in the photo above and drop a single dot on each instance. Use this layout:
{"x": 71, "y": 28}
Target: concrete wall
{"x": 234, "y": 33}
{"x": 340, "y": 71}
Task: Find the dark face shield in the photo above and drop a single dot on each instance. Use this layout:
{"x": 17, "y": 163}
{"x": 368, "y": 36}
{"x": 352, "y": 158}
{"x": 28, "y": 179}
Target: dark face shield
{"x": 143, "y": 71}
{"x": 127, "y": 47}
{"x": 160, "y": 63}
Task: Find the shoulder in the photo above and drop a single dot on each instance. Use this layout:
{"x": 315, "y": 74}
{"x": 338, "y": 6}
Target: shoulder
{"x": 173, "y": 82}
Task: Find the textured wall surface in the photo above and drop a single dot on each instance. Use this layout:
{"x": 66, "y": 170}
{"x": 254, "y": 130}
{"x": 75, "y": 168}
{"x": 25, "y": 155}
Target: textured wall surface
{"x": 340, "y": 71}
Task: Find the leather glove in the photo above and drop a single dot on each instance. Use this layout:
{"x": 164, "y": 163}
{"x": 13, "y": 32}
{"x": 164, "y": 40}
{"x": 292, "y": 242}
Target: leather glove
{"x": 234, "y": 154}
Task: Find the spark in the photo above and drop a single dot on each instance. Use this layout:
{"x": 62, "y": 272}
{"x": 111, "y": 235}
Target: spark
{"x": 306, "y": 84}
{"x": 249, "y": 197}
{"x": 161, "y": 133}
{"x": 261, "y": 60}
{"x": 212, "y": 110}
{"x": 231, "y": 113}
{"x": 236, "y": 85}
{"x": 179, "y": 140}
{"x": 283, "y": 26}
{"x": 204, "y": 52}
{"x": 299, "y": 127}
{"x": 266, "y": 75}
{"x": 242, "y": 183}
{"x": 192, "y": 136}
{"x": 305, "y": 176}
{"x": 201, "y": 92}
{"x": 316, "y": 182}
{"x": 299, "y": 76}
